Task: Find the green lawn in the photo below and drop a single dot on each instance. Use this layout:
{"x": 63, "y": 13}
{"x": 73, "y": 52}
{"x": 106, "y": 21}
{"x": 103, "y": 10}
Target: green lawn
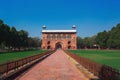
{"x": 107, "y": 57}
{"x": 9, "y": 56}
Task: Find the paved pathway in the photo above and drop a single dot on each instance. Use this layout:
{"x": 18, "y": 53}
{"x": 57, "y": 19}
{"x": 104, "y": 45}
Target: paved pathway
{"x": 55, "y": 67}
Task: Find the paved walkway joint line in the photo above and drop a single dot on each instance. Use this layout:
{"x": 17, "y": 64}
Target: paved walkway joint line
{"x": 55, "y": 67}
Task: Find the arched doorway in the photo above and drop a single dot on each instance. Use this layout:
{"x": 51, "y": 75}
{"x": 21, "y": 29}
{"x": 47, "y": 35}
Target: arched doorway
{"x": 58, "y": 45}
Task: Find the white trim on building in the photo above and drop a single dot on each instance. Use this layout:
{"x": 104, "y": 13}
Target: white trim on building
{"x": 58, "y": 30}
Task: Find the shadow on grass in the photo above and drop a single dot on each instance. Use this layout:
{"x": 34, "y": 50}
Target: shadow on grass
{"x": 109, "y": 73}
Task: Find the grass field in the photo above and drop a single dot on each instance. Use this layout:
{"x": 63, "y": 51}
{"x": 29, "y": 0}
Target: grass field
{"x": 107, "y": 57}
{"x": 9, "y": 56}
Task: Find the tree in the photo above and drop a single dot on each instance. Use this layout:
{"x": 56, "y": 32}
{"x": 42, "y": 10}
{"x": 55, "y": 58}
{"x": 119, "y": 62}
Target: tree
{"x": 34, "y": 42}
{"x": 89, "y": 41}
{"x": 13, "y": 37}
{"x": 114, "y": 37}
{"x": 102, "y": 38}
{"x": 22, "y": 38}
{"x": 1, "y": 24}
{"x": 86, "y": 42}
{"x": 1, "y": 21}
{"x": 37, "y": 41}
{"x": 79, "y": 42}
{"x": 4, "y": 34}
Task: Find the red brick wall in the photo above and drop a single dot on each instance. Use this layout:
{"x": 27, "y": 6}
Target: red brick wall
{"x": 64, "y": 42}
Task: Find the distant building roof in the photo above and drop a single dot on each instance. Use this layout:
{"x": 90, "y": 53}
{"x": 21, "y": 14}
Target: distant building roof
{"x": 57, "y": 31}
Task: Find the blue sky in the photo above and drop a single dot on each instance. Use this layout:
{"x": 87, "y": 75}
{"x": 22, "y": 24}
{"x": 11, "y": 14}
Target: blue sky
{"x": 89, "y": 16}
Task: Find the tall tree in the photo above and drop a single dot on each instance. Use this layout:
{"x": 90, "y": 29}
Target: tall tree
{"x": 23, "y": 38}
{"x": 4, "y": 34}
{"x": 102, "y": 38}
{"x": 13, "y": 37}
{"x": 1, "y": 24}
{"x": 114, "y": 37}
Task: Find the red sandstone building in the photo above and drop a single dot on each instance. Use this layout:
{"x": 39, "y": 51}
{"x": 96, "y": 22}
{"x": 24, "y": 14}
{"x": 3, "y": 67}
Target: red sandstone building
{"x": 53, "y": 39}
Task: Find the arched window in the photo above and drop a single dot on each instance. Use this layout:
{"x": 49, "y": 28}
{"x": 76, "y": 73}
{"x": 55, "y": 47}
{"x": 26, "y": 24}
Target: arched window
{"x": 48, "y": 42}
{"x": 53, "y": 36}
{"x": 69, "y": 36}
{"x": 58, "y": 36}
{"x": 64, "y": 36}
{"x": 48, "y": 36}
{"x": 69, "y": 42}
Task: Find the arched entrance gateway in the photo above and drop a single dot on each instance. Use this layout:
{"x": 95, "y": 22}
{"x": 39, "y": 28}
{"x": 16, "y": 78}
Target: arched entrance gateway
{"x": 58, "y": 45}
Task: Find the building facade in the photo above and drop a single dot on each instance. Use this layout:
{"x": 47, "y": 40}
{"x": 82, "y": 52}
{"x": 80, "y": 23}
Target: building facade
{"x": 54, "y": 39}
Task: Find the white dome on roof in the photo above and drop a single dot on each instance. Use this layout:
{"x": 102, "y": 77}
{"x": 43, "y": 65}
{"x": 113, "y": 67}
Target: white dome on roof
{"x": 44, "y": 26}
{"x": 74, "y": 26}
